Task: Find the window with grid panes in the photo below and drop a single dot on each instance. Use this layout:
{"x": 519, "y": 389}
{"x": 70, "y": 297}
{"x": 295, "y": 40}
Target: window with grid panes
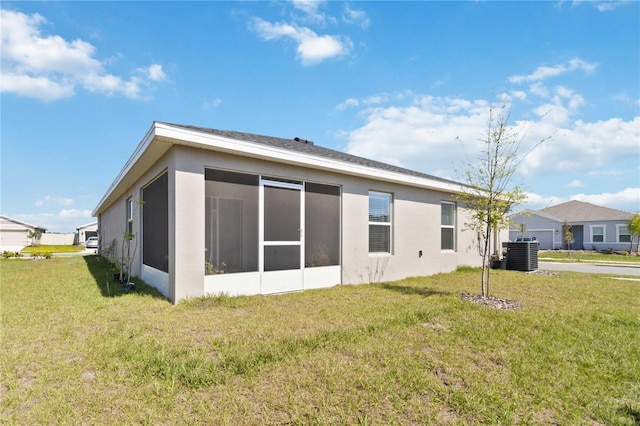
{"x": 380, "y": 229}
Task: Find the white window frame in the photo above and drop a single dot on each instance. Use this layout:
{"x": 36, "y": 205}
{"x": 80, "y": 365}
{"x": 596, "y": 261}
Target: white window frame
{"x": 455, "y": 222}
{"x": 129, "y": 209}
{"x": 389, "y": 224}
{"x": 129, "y": 215}
{"x": 604, "y": 233}
{"x": 618, "y": 227}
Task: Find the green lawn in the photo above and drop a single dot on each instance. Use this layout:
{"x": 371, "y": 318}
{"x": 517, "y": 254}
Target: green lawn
{"x": 76, "y": 351}
{"x": 582, "y": 256}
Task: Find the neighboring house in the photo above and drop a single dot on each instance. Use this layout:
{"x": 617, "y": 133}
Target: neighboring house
{"x": 214, "y": 211}
{"x": 14, "y": 234}
{"x": 86, "y": 231}
{"x": 593, "y": 227}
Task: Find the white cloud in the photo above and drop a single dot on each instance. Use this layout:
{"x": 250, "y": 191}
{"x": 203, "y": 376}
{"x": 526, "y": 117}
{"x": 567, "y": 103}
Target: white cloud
{"x": 356, "y": 16}
{"x": 585, "y": 147}
{"x": 422, "y": 135}
{"x": 308, "y": 6}
{"x": 41, "y": 87}
{"x": 214, "y": 103}
{"x": 576, "y": 183}
{"x": 48, "y": 67}
{"x": 544, "y": 72}
{"x": 311, "y": 47}
{"x": 605, "y": 6}
{"x": 66, "y": 220}
{"x": 351, "y": 102}
{"x": 48, "y": 200}
{"x": 626, "y": 196}
{"x": 156, "y": 73}
{"x": 537, "y": 202}
{"x": 311, "y": 13}
{"x": 519, "y": 94}
{"x": 75, "y": 213}
{"x": 436, "y": 134}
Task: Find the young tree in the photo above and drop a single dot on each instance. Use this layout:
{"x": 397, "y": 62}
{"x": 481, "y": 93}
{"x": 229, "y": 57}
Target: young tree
{"x": 567, "y": 235}
{"x": 634, "y": 230}
{"x": 489, "y": 194}
{"x": 34, "y": 236}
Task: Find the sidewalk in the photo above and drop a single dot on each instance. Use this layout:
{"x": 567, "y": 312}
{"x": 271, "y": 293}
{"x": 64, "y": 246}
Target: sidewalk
{"x": 590, "y": 261}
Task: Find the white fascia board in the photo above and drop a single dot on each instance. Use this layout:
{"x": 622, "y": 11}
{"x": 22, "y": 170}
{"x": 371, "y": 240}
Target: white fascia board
{"x": 256, "y": 150}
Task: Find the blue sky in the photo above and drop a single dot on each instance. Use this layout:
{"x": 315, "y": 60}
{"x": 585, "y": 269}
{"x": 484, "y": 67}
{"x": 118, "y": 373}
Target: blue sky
{"x": 408, "y": 83}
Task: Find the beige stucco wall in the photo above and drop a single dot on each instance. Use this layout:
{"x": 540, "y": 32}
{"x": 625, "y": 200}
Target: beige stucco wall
{"x": 186, "y": 212}
{"x": 112, "y": 223}
{"x": 416, "y": 227}
{"x": 416, "y": 222}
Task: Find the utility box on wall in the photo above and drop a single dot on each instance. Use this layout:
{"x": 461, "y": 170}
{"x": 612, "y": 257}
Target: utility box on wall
{"x": 522, "y": 256}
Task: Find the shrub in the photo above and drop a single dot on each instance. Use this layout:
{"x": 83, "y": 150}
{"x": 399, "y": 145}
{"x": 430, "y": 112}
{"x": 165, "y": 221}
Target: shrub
{"x": 7, "y": 254}
{"x": 41, "y": 255}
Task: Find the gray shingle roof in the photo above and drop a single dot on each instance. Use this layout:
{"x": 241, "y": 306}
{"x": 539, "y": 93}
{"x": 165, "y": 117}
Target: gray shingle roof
{"x": 579, "y": 211}
{"x": 307, "y": 147}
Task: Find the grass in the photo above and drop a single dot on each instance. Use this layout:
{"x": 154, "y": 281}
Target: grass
{"x": 53, "y": 249}
{"x": 76, "y": 351}
{"x": 582, "y": 256}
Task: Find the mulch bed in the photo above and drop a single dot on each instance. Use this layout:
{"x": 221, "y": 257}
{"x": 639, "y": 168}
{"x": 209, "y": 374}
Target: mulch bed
{"x": 491, "y": 302}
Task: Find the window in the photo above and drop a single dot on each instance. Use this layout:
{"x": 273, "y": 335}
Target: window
{"x": 130, "y": 215}
{"x": 624, "y": 236}
{"x": 597, "y": 233}
{"x": 447, "y": 226}
{"x": 155, "y": 224}
{"x": 380, "y": 222}
{"x": 231, "y": 222}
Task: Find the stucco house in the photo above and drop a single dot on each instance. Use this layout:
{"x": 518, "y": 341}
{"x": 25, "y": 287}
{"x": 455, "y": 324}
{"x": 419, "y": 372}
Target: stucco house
{"x": 212, "y": 211}
{"x": 14, "y": 234}
{"x": 593, "y": 227}
{"x": 85, "y": 231}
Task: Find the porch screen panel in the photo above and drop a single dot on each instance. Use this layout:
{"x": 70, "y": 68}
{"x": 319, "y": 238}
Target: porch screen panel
{"x": 231, "y": 222}
{"x": 280, "y": 258}
{"x": 155, "y": 224}
{"x": 322, "y": 225}
{"x": 281, "y": 214}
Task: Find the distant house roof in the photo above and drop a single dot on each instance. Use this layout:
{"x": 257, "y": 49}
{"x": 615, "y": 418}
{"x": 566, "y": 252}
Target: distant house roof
{"x": 579, "y": 211}
{"x": 19, "y": 222}
{"x": 88, "y": 225}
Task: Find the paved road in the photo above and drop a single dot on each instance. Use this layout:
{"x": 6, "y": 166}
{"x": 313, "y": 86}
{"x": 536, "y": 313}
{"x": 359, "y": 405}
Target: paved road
{"x": 591, "y": 268}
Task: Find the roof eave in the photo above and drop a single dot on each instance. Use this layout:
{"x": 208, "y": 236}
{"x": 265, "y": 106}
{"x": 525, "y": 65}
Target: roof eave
{"x": 182, "y": 136}
{"x": 174, "y": 135}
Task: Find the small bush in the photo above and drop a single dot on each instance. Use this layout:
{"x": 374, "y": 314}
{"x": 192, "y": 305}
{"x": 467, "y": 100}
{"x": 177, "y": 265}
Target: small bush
{"x": 41, "y": 255}
{"x": 624, "y": 253}
{"x": 9, "y": 254}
